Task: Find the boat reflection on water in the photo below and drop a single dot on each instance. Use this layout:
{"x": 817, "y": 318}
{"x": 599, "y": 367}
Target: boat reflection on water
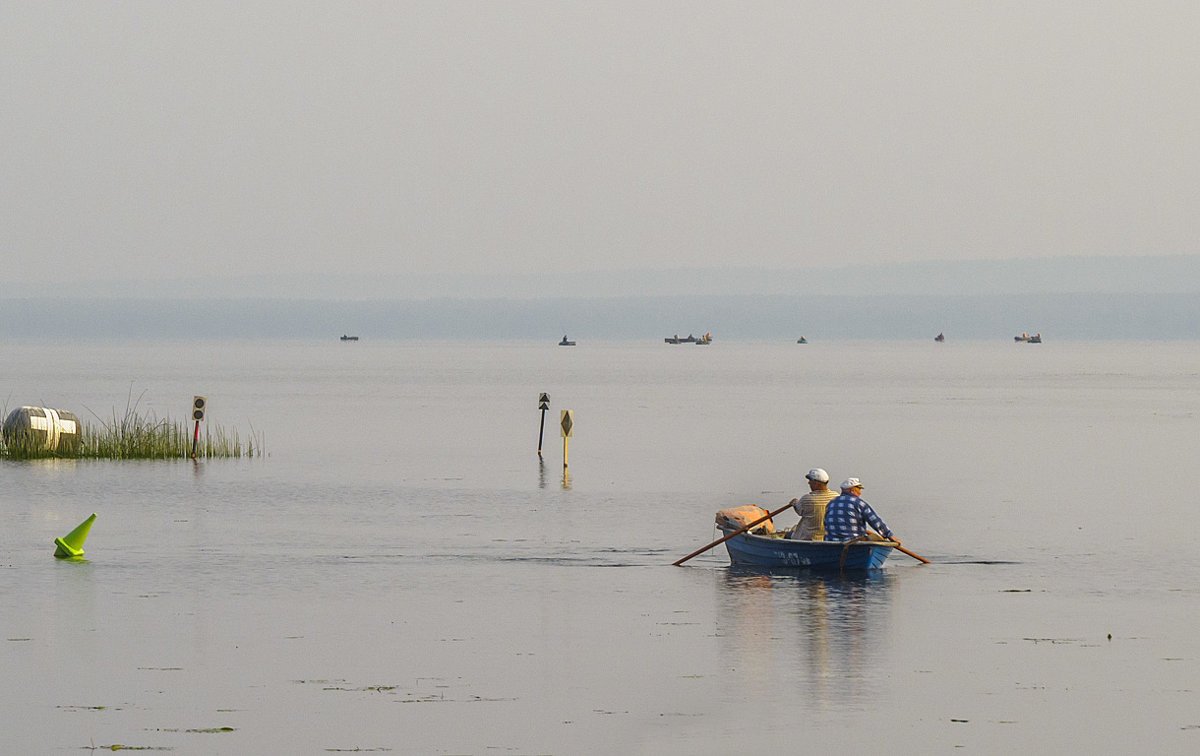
{"x": 820, "y": 634}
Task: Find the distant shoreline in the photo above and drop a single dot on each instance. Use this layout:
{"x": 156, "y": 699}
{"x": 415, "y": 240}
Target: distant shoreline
{"x": 1059, "y": 317}
{"x": 1096, "y": 274}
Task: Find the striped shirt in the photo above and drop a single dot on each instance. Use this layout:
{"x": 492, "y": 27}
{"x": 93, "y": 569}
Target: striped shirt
{"x": 847, "y": 517}
{"x": 811, "y": 508}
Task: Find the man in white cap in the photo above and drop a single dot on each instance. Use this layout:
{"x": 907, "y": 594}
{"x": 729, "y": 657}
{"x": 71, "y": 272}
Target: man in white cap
{"x": 848, "y": 516}
{"x": 811, "y": 507}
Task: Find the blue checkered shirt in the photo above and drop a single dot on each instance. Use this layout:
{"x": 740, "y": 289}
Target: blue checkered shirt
{"x": 847, "y": 517}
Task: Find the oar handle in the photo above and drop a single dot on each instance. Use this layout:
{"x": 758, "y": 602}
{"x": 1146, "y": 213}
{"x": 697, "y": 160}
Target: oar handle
{"x": 720, "y": 541}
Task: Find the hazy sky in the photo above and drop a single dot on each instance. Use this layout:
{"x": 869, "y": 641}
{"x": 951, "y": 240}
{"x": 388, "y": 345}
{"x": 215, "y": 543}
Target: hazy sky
{"x": 151, "y": 140}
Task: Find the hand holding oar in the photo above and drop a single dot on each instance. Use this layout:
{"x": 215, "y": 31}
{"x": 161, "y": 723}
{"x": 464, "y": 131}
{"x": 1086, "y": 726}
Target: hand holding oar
{"x": 742, "y": 529}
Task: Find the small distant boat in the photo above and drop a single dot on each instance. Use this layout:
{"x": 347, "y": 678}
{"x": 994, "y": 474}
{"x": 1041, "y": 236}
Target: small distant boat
{"x": 705, "y": 339}
{"x": 1035, "y": 339}
{"x": 776, "y": 550}
{"x": 940, "y": 337}
{"x": 564, "y": 341}
{"x": 349, "y": 338}
{"x": 801, "y": 340}
{"x": 676, "y": 340}
{"x": 1026, "y": 338}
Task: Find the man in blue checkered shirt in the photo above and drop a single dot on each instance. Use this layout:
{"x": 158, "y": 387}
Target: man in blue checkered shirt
{"x": 848, "y": 516}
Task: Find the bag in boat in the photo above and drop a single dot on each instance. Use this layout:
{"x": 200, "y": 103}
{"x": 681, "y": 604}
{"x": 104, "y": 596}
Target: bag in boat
{"x": 739, "y": 517}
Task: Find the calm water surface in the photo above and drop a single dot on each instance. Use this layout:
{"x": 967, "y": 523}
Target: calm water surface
{"x": 401, "y": 573}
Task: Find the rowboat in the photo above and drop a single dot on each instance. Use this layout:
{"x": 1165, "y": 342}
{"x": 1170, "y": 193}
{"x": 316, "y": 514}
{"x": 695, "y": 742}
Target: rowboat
{"x": 776, "y": 550}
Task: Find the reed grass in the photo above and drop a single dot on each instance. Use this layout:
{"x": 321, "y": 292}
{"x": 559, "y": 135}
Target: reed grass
{"x": 134, "y": 436}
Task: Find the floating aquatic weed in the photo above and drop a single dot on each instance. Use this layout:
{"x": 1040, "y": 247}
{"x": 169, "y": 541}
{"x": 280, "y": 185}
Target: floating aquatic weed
{"x": 1055, "y": 641}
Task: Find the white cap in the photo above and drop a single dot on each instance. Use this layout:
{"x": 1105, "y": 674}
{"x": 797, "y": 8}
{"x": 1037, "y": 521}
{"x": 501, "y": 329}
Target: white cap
{"x": 849, "y": 483}
{"x": 818, "y": 475}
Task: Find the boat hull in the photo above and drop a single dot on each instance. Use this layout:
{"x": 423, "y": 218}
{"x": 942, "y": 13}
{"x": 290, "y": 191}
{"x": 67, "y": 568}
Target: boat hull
{"x": 764, "y": 551}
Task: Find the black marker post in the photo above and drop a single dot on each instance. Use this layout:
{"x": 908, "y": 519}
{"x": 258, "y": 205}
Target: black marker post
{"x": 543, "y": 405}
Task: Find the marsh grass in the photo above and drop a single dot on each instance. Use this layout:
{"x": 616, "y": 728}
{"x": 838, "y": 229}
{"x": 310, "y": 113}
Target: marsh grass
{"x": 135, "y": 436}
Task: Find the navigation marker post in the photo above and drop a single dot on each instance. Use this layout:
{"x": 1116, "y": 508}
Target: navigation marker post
{"x": 198, "y": 403}
{"x": 543, "y": 405}
{"x": 567, "y": 424}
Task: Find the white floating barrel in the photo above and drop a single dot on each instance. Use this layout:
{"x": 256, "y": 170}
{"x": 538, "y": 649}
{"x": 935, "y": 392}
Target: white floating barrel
{"x": 42, "y": 427}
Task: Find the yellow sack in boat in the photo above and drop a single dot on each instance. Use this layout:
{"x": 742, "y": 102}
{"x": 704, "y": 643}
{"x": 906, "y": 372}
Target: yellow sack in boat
{"x": 739, "y": 517}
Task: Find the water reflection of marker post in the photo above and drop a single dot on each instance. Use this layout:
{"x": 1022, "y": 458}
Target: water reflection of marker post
{"x": 198, "y": 403}
{"x": 543, "y": 405}
{"x": 567, "y": 422}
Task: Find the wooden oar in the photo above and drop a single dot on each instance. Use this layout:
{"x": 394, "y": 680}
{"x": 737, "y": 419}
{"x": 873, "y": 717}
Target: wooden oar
{"x": 918, "y": 557}
{"x": 899, "y": 547}
{"x": 731, "y": 535}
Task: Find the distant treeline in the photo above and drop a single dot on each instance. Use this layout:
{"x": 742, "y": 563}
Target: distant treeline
{"x": 1057, "y": 316}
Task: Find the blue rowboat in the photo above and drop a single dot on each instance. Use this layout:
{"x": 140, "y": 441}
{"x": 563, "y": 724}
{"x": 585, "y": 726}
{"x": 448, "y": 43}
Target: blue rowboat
{"x": 777, "y": 551}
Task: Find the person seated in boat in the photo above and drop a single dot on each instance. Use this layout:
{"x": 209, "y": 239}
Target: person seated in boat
{"x": 848, "y": 516}
{"x": 811, "y": 507}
